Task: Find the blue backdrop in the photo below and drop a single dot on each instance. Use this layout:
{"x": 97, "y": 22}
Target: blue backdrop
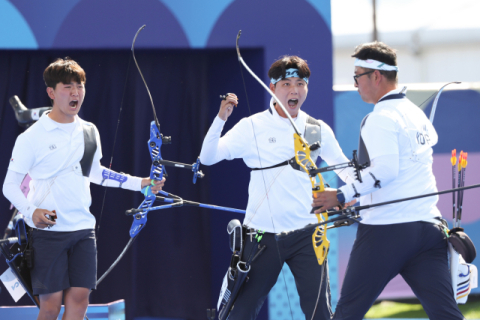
{"x": 173, "y": 266}
{"x": 98, "y": 34}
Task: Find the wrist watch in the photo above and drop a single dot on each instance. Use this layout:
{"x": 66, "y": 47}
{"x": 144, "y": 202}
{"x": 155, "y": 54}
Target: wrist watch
{"x": 340, "y": 196}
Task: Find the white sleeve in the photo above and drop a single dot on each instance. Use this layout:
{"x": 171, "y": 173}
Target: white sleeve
{"x": 382, "y": 171}
{"x": 333, "y": 154}
{"x": 109, "y": 178}
{"x": 12, "y": 191}
{"x": 22, "y": 156}
{"x": 214, "y": 149}
{"x": 380, "y": 134}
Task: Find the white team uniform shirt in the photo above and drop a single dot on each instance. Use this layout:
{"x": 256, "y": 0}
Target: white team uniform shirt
{"x": 279, "y": 198}
{"x": 399, "y": 131}
{"x": 51, "y": 156}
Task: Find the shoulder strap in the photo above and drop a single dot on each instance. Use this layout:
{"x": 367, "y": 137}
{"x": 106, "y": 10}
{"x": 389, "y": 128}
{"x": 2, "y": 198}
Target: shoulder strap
{"x": 313, "y": 133}
{"x": 90, "y": 148}
{"x": 363, "y": 157}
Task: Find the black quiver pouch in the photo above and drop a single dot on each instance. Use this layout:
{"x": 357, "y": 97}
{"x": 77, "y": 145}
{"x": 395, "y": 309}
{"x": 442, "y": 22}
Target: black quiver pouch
{"x": 462, "y": 243}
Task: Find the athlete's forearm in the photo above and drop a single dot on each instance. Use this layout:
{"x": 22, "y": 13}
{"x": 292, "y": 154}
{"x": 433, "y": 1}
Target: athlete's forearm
{"x": 382, "y": 171}
{"x": 213, "y": 150}
{"x": 12, "y": 191}
{"x": 109, "y": 178}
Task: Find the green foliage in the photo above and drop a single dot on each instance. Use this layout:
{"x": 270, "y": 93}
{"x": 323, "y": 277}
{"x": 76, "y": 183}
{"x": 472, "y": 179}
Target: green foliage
{"x": 389, "y": 309}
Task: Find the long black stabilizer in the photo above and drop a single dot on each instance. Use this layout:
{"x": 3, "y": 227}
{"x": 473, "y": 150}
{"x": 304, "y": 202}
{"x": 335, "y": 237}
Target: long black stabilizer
{"x": 352, "y": 212}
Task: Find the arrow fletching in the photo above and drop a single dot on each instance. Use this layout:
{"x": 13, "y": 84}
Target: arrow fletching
{"x": 454, "y": 157}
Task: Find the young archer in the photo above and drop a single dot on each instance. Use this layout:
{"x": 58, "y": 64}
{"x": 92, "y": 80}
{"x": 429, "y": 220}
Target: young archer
{"x": 279, "y": 192}
{"x": 61, "y": 153}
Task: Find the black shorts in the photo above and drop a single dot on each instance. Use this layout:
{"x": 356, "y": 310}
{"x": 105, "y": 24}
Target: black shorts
{"x": 62, "y": 260}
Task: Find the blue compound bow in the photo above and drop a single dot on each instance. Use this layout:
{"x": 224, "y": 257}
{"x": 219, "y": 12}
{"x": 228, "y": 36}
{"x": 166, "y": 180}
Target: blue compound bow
{"x": 157, "y": 172}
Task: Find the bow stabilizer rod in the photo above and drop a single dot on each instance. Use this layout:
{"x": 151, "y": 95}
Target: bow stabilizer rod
{"x": 350, "y": 210}
{"x": 178, "y": 202}
{"x": 353, "y": 163}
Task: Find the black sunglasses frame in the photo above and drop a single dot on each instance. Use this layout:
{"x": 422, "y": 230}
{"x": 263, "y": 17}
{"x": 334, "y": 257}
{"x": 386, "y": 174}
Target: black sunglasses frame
{"x": 355, "y": 77}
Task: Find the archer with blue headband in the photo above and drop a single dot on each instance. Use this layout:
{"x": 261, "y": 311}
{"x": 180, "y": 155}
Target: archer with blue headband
{"x": 279, "y": 192}
{"x": 405, "y": 238}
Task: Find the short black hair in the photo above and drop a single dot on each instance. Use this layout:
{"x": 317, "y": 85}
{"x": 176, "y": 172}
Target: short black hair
{"x": 278, "y": 68}
{"x": 64, "y": 71}
{"x": 378, "y": 51}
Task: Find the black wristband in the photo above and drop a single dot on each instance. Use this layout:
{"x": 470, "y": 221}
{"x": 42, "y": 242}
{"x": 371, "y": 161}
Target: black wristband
{"x": 340, "y": 196}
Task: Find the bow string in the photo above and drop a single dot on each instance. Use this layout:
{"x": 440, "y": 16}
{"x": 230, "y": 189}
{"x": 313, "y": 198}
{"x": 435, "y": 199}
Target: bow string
{"x": 302, "y": 156}
{"x": 157, "y": 172}
{"x": 154, "y": 144}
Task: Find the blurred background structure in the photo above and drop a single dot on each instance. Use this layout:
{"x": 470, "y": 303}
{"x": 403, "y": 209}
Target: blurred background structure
{"x": 187, "y": 54}
{"x": 436, "y": 41}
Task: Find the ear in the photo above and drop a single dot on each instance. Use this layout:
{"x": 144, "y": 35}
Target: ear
{"x": 50, "y": 93}
{"x": 378, "y": 77}
{"x": 272, "y": 87}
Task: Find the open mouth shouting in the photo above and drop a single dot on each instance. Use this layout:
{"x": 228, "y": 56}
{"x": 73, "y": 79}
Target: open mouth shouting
{"x": 292, "y": 103}
{"x": 73, "y": 104}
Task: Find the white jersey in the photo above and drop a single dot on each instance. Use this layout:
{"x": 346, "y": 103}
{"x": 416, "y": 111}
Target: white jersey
{"x": 50, "y": 152}
{"x": 397, "y": 129}
{"x": 279, "y": 198}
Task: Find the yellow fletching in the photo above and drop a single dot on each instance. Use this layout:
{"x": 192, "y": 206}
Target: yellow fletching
{"x": 454, "y": 157}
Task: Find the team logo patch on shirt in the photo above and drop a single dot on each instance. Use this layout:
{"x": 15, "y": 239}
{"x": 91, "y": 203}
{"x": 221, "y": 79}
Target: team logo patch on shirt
{"x": 53, "y": 147}
{"x": 11, "y": 160}
{"x": 423, "y": 137}
{"x": 272, "y": 140}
